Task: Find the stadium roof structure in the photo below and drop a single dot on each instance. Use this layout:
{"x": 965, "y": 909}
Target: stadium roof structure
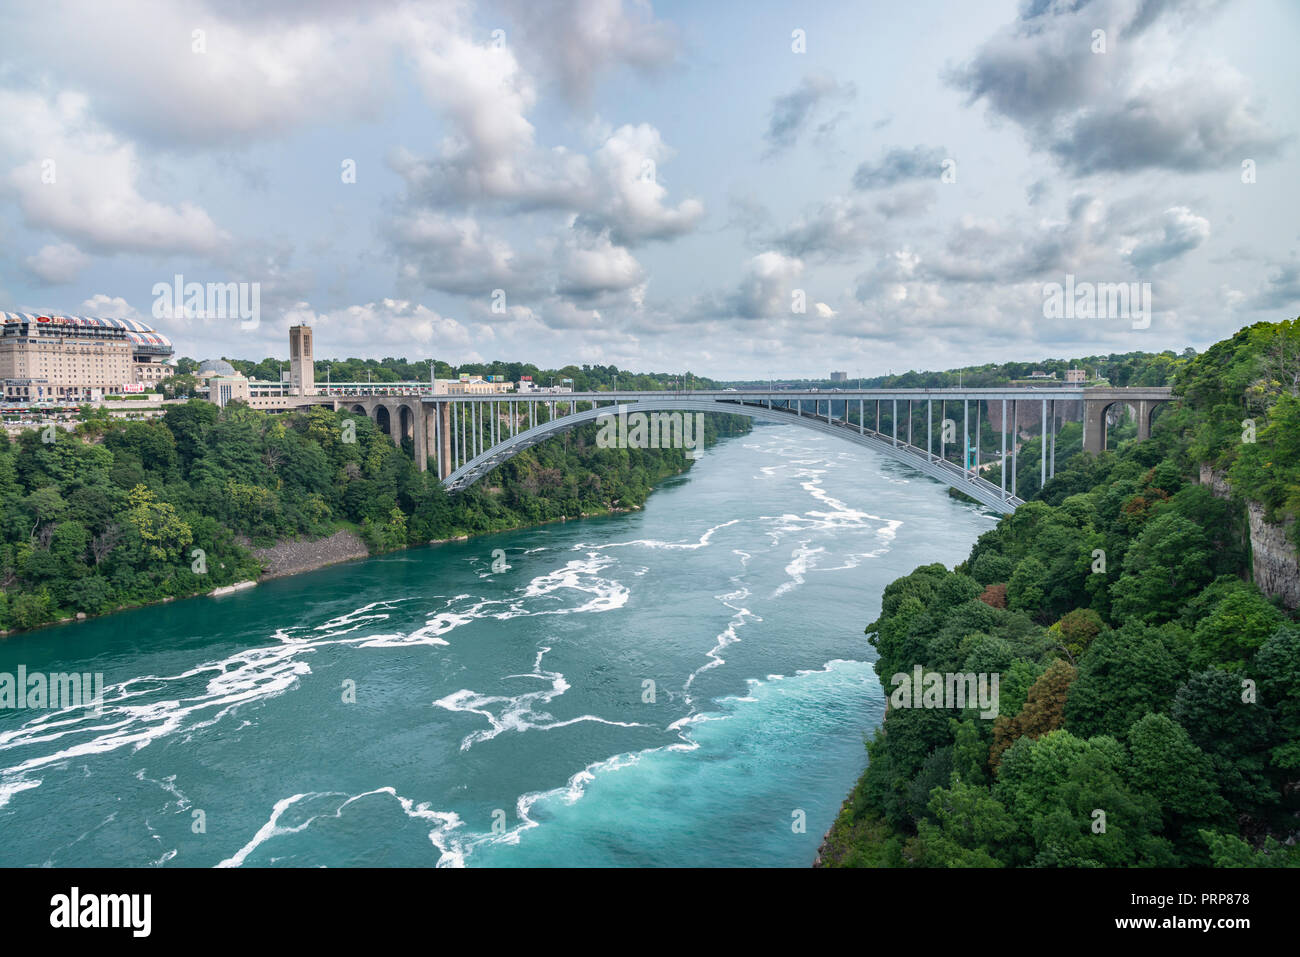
{"x": 136, "y": 331}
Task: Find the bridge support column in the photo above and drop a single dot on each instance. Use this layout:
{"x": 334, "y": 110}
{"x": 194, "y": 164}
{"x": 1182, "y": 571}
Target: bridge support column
{"x": 1002, "y": 468}
{"x": 420, "y": 436}
{"x": 438, "y": 429}
{"x": 1094, "y": 425}
{"x": 893, "y": 422}
{"x": 943, "y": 426}
{"x": 1051, "y": 465}
{"x": 1144, "y": 409}
{"x": 929, "y": 428}
{"x": 1015, "y": 445}
{"x": 978, "y": 414}
{"x": 965, "y": 437}
{"x": 1042, "y": 432}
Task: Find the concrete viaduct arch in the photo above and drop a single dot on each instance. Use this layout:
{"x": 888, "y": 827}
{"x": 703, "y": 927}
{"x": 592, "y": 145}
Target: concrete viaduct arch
{"x": 398, "y": 417}
{"x": 1097, "y": 401}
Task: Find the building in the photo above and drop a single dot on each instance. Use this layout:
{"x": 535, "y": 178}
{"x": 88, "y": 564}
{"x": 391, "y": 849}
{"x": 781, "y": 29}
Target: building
{"x": 468, "y": 384}
{"x": 54, "y": 358}
{"x": 224, "y": 389}
{"x": 1076, "y": 375}
{"x": 526, "y": 384}
{"x": 223, "y": 382}
{"x": 839, "y": 377}
{"x": 302, "y": 365}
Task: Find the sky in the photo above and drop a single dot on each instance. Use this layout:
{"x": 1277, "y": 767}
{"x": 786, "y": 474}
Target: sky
{"x": 741, "y": 191}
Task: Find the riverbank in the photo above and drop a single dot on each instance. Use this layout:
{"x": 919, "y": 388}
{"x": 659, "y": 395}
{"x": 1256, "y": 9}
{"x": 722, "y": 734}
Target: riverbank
{"x": 292, "y": 557}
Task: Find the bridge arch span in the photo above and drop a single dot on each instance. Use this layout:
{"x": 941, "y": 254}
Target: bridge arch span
{"x": 953, "y": 475}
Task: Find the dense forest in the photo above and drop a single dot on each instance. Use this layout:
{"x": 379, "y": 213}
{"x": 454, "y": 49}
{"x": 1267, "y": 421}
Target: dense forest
{"x": 1149, "y": 700}
{"x": 123, "y": 513}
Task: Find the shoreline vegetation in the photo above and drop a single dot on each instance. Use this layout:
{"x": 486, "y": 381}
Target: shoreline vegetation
{"x": 292, "y": 557}
{"x": 1141, "y": 612}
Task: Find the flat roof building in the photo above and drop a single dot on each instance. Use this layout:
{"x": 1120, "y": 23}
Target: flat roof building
{"x": 52, "y": 357}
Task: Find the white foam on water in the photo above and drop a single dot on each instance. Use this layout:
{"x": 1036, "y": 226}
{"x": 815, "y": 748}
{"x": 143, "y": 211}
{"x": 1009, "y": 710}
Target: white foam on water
{"x": 702, "y": 542}
{"x": 801, "y": 560}
{"x": 9, "y": 788}
{"x": 144, "y": 709}
{"x": 518, "y": 712}
{"x": 450, "y": 854}
{"x": 577, "y": 786}
{"x": 728, "y": 635}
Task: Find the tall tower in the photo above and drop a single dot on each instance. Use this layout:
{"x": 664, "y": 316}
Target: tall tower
{"x": 302, "y": 375}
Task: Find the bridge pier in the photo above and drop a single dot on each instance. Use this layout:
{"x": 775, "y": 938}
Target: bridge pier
{"x": 1094, "y": 425}
{"x": 434, "y": 429}
{"x": 1042, "y": 434}
{"x": 1002, "y": 468}
{"x": 418, "y": 437}
{"x": 1015, "y": 444}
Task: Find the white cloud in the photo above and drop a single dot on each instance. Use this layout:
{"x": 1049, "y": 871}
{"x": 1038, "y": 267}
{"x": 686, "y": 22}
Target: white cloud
{"x": 629, "y": 198}
{"x": 575, "y": 41}
{"x": 455, "y": 254}
{"x": 1148, "y": 101}
{"x": 597, "y": 266}
{"x": 80, "y": 182}
{"x": 766, "y": 291}
{"x": 1180, "y": 233}
{"x": 57, "y": 264}
{"x": 109, "y": 307}
{"x": 258, "y": 75}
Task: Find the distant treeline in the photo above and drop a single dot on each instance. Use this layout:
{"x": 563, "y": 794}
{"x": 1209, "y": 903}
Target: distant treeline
{"x": 585, "y": 378}
{"x": 1121, "y": 369}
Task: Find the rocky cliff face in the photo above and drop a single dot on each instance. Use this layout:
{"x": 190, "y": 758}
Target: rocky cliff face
{"x": 1217, "y": 482}
{"x": 1275, "y": 566}
{"x": 1273, "y": 558}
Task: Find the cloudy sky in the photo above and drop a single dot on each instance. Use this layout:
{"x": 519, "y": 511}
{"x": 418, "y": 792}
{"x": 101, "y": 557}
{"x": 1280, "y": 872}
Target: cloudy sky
{"x": 655, "y": 186}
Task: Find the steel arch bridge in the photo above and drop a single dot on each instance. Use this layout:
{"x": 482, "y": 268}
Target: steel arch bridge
{"x": 470, "y": 435}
